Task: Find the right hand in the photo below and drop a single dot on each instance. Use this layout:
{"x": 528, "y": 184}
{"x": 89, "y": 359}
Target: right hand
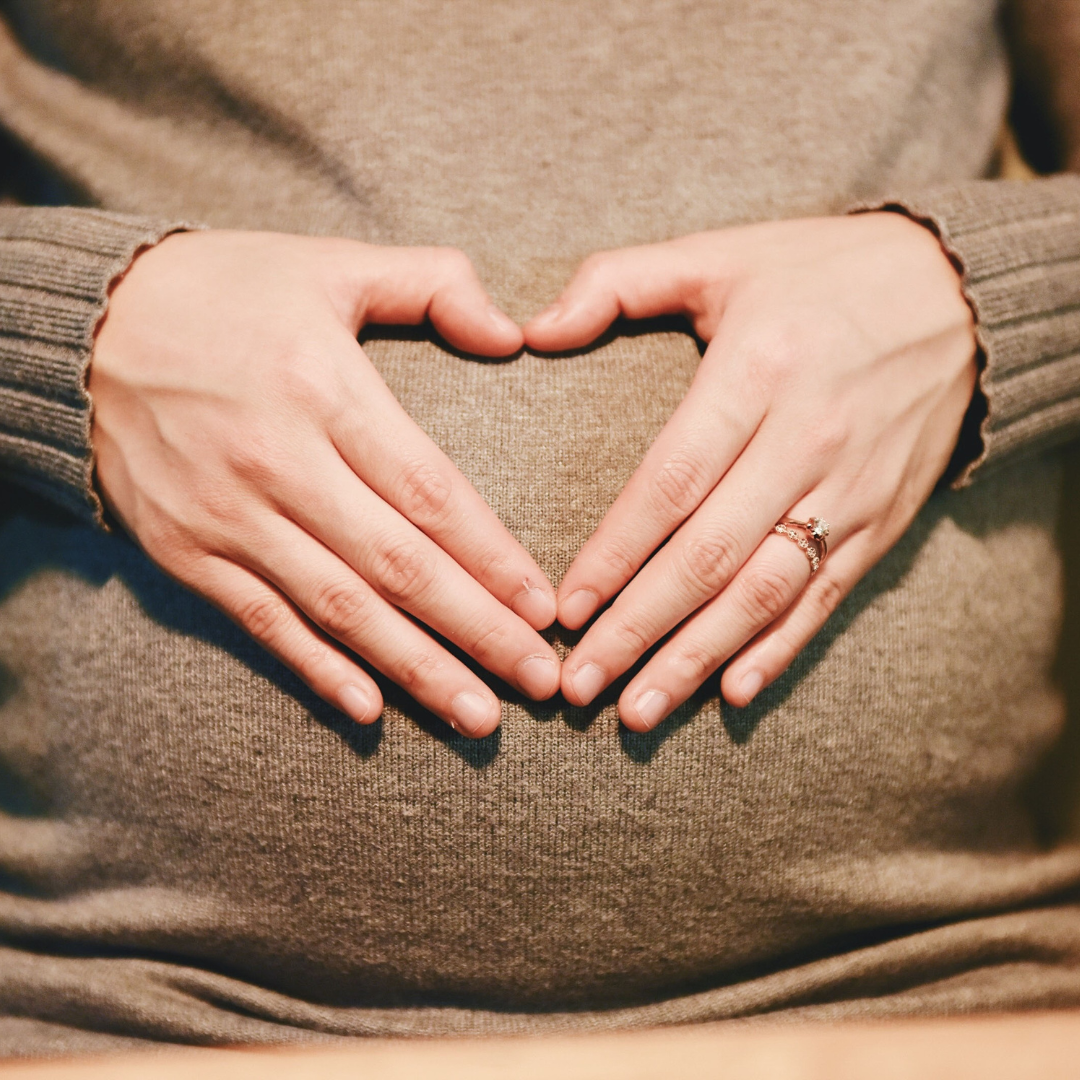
{"x": 246, "y": 442}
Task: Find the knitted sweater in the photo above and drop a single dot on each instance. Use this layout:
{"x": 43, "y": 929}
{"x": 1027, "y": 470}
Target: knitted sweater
{"x": 192, "y": 848}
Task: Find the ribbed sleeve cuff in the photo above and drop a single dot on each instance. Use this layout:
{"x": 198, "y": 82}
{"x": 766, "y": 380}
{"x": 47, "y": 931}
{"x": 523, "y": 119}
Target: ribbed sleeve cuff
{"x": 1017, "y": 245}
{"x": 56, "y": 268}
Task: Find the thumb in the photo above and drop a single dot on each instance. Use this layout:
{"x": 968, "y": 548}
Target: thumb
{"x": 403, "y": 286}
{"x": 638, "y": 282}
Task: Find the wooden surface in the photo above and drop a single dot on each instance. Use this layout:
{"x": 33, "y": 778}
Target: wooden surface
{"x": 1043, "y": 1046}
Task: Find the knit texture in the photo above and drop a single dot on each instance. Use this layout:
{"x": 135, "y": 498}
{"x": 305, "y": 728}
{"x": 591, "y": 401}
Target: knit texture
{"x": 1017, "y": 244}
{"x": 56, "y": 267}
{"x": 193, "y": 848}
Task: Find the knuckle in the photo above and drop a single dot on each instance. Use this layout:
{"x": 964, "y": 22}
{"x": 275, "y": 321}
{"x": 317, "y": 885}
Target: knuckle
{"x": 253, "y": 455}
{"x": 710, "y": 562}
{"x": 424, "y": 490}
{"x": 774, "y": 356}
{"x": 828, "y": 595}
{"x": 416, "y": 670}
{"x": 486, "y": 641}
{"x": 636, "y": 637}
{"x": 767, "y": 592}
{"x": 308, "y": 379}
{"x": 187, "y": 562}
{"x": 826, "y": 436}
{"x": 494, "y": 565}
{"x": 614, "y": 554}
{"x": 681, "y": 483}
{"x": 696, "y": 661}
{"x": 595, "y": 268}
{"x": 403, "y": 572}
{"x": 160, "y": 538}
{"x": 453, "y": 261}
{"x": 312, "y": 660}
{"x": 340, "y": 607}
{"x": 263, "y": 616}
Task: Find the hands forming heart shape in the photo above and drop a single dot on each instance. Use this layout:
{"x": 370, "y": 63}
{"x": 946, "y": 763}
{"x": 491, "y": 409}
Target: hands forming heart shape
{"x": 245, "y": 441}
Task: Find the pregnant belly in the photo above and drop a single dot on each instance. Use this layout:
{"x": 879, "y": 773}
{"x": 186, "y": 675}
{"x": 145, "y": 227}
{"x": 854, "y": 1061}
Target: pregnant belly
{"x": 171, "y": 791}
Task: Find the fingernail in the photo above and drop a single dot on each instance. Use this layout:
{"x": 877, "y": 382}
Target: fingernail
{"x": 501, "y": 319}
{"x": 535, "y": 605}
{"x": 548, "y": 315}
{"x": 471, "y": 712}
{"x": 577, "y": 607}
{"x": 750, "y": 684}
{"x": 357, "y": 703}
{"x": 651, "y": 707}
{"x": 538, "y": 677}
{"x": 587, "y": 682}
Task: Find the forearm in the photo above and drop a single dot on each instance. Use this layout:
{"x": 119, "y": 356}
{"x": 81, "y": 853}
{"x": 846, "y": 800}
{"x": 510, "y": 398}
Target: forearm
{"x": 1017, "y": 245}
{"x": 56, "y": 268}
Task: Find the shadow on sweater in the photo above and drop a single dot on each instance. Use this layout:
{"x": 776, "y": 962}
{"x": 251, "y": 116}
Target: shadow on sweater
{"x": 35, "y": 536}
{"x": 1053, "y": 790}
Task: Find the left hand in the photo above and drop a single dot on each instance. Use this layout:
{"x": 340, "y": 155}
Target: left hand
{"x": 840, "y": 364}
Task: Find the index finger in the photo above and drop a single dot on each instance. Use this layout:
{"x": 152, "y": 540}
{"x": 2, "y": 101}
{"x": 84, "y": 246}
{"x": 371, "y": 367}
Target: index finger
{"x": 638, "y": 282}
{"x": 407, "y": 469}
{"x": 402, "y": 285}
{"x": 697, "y": 445}
{"x": 705, "y": 435}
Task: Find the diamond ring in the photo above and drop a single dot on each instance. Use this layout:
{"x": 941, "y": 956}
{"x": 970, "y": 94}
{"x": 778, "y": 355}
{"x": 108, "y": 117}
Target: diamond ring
{"x": 809, "y": 536}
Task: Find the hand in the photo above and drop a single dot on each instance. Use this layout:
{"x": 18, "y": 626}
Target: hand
{"x": 248, "y": 444}
{"x": 840, "y": 364}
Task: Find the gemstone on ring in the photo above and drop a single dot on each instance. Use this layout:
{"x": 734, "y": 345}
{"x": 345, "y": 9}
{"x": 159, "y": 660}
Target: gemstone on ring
{"x": 819, "y": 528}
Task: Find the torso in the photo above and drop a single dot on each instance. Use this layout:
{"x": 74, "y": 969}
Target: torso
{"x": 189, "y": 815}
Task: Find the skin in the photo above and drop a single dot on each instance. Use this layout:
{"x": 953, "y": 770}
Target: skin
{"x": 246, "y": 442}
{"x": 840, "y": 364}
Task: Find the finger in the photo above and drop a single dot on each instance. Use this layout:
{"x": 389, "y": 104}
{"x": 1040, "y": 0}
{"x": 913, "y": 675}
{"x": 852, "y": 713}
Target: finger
{"x": 637, "y": 282}
{"x": 334, "y": 597}
{"x": 696, "y": 564}
{"x": 695, "y": 449}
{"x": 406, "y": 468}
{"x": 761, "y": 591}
{"x": 770, "y": 654}
{"x": 407, "y": 285}
{"x": 413, "y": 573}
{"x": 275, "y": 623}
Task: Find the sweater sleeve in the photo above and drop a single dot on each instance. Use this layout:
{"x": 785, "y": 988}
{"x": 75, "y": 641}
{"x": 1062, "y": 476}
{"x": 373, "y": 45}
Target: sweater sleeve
{"x": 57, "y": 265}
{"x": 1017, "y": 246}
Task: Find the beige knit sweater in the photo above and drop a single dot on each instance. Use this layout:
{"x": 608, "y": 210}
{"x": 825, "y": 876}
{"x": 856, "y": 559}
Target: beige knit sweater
{"x": 192, "y": 848}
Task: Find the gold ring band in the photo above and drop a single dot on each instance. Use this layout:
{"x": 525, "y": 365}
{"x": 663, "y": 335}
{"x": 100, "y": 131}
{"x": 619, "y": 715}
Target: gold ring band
{"x": 809, "y": 536}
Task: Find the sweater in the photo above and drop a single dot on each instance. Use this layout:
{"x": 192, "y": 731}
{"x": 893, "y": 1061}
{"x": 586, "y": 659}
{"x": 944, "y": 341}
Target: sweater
{"x": 194, "y": 849}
